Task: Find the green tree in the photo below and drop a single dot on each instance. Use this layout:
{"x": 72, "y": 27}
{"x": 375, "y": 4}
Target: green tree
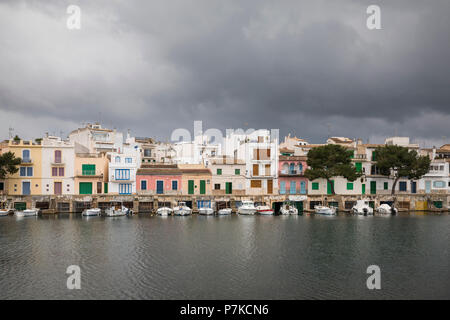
{"x": 396, "y": 162}
{"x": 8, "y": 164}
{"x": 330, "y": 161}
{"x": 16, "y": 138}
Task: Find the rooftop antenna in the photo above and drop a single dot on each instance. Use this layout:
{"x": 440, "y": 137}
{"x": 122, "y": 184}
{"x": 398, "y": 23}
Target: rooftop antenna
{"x": 10, "y": 132}
{"x": 329, "y": 130}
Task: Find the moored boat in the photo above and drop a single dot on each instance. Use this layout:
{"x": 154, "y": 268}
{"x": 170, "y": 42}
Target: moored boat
{"x": 91, "y": 212}
{"x": 362, "y": 208}
{"x": 4, "y": 212}
{"x": 247, "y": 208}
{"x": 224, "y": 211}
{"x": 27, "y": 213}
{"x": 164, "y": 211}
{"x": 206, "y": 211}
{"x": 182, "y": 209}
{"x": 288, "y": 208}
{"x": 117, "y": 212}
{"x": 324, "y": 210}
{"x": 264, "y": 210}
{"x": 387, "y": 209}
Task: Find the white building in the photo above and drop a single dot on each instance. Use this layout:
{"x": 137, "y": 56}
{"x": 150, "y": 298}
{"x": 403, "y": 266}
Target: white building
{"x": 58, "y": 160}
{"x": 94, "y": 139}
{"x": 122, "y": 172}
{"x": 196, "y": 151}
{"x": 259, "y": 150}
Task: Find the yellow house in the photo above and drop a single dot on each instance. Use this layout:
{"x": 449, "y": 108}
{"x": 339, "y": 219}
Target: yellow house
{"x": 91, "y": 173}
{"x": 195, "y": 179}
{"x": 28, "y": 180}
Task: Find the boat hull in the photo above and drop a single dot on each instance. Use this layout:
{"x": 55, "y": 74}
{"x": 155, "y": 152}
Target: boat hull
{"x": 206, "y": 211}
{"x": 225, "y": 211}
{"x": 91, "y": 212}
{"x": 164, "y": 211}
{"x": 27, "y": 213}
{"x": 266, "y": 212}
{"x": 325, "y": 211}
{"x": 182, "y": 212}
{"x": 4, "y": 213}
{"x": 247, "y": 211}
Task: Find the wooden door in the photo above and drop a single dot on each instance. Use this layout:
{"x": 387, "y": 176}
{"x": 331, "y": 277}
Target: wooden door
{"x": 269, "y": 186}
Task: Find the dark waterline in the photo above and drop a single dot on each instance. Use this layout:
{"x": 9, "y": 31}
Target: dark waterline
{"x": 227, "y": 257}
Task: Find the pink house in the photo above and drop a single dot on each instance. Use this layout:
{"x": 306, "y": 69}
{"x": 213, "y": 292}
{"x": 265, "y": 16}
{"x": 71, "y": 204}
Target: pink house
{"x": 158, "y": 179}
{"x": 290, "y": 175}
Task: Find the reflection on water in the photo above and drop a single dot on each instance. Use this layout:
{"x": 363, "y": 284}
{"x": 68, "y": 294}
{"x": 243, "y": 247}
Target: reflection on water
{"x": 225, "y": 257}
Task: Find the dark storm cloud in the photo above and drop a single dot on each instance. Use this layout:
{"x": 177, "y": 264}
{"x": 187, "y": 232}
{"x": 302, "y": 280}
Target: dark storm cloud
{"x": 312, "y": 68}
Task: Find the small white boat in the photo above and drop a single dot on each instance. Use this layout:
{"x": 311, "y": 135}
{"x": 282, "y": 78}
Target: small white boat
{"x": 247, "y": 207}
{"x": 27, "y": 213}
{"x": 91, "y": 212}
{"x": 164, "y": 211}
{"x": 324, "y": 210}
{"x": 206, "y": 211}
{"x": 117, "y": 212}
{"x": 224, "y": 211}
{"x": 288, "y": 208}
{"x": 4, "y": 212}
{"x": 264, "y": 210}
{"x": 182, "y": 209}
{"x": 362, "y": 208}
{"x": 387, "y": 209}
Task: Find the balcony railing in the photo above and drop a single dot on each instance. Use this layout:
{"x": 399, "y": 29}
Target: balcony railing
{"x": 27, "y": 161}
{"x": 291, "y": 172}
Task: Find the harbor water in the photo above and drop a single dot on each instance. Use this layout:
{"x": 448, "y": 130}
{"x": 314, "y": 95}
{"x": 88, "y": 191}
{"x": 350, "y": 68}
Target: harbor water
{"x": 225, "y": 257}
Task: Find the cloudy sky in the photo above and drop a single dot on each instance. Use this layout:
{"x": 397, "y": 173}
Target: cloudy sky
{"x": 311, "y": 68}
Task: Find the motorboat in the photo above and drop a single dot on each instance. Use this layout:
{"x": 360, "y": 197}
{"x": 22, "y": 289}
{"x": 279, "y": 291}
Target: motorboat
{"x": 264, "y": 210}
{"x": 164, "y": 211}
{"x": 182, "y": 209}
{"x": 206, "y": 211}
{"x": 362, "y": 208}
{"x": 288, "y": 208}
{"x": 4, "y": 212}
{"x": 247, "y": 207}
{"x": 91, "y": 212}
{"x": 27, "y": 213}
{"x": 387, "y": 209}
{"x": 117, "y": 212}
{"x": 324, "y": 210}
{"x": 224, "y": 211}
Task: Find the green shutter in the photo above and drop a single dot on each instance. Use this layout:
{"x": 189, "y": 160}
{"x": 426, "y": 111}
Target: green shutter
{"x": 88, "y": 169}
{"x": 237, "y": 171}
{"x": 349, "y": 185}
{"x": 385, "y": 186}
{"x": 358, "y": 166}
{"x": 363, "y": 188}
{"x": 315, "y": 186}
{"x": 228, "y": 188}
{"x": 105, "y": 189}
{"x": 219, "y": 172}
{"x": 191, "y": 186}
{"x": 373, "y": 187}
{"x": 329, "y": 186}
{"x": 374, "y": 155}
{"x": 202, "y": 186}
{"x": 85, "y": 187}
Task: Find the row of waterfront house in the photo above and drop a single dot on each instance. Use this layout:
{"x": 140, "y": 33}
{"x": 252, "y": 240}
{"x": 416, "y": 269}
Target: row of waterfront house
{"x": 98, "y": 162}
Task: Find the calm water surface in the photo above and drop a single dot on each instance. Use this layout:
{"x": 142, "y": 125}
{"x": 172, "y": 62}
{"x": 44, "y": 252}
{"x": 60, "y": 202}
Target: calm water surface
{"x": 229, "y": 257}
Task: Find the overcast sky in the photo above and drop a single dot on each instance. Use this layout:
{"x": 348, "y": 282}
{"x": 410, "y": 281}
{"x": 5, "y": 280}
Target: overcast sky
{"x": 311, "y": 68}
